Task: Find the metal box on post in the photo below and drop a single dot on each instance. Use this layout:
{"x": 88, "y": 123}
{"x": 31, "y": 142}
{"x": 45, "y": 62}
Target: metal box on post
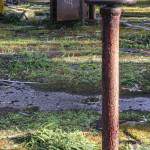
{"x": 68, "y": 10}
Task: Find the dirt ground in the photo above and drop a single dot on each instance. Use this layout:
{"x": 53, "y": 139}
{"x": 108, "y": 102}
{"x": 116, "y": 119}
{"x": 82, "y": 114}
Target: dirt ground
{"x": 18, "y": 96}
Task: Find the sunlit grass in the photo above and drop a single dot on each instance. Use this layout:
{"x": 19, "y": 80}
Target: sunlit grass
{"x": 77, "y": 68}
{"x": 69, "y": 58}
{"x": 45, "y": 130}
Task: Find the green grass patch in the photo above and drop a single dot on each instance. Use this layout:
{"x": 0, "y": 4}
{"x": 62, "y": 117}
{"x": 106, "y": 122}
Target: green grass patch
{"x": 65, "y": 130}
{"x": 81, "y": 74}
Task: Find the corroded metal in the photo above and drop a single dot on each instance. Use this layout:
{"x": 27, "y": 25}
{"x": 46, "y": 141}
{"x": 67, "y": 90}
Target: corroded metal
{"x": 110, "y": 13}
{"x": 110, "y": 77}
{"x": 68, "y": 10}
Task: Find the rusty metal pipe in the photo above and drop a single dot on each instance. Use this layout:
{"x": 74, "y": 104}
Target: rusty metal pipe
{"x": 110, "y": 75}
{"x": 110, "y": 13}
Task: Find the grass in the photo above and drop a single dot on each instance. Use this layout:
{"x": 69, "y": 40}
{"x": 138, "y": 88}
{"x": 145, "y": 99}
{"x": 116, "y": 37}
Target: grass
{"x": 68, "y": 58}
{"x": 75, "y": 74}
{"x": 67, "y": 130}
{"x": 73, "y": 54}
{"x": 70, "y": 54}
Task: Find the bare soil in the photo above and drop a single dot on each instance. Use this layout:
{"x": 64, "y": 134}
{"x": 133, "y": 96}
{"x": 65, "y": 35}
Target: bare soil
{"x": 17, "y": 96}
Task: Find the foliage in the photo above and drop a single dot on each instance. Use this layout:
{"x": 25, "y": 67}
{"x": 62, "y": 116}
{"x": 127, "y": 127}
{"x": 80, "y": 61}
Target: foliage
{"x": 68, "y": 130}
{"x": 51, "y": 140}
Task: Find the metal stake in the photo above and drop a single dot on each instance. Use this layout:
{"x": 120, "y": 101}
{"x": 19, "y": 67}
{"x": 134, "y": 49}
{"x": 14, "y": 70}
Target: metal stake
{"x": 110, "y": 74}
{"x": 110, "y": 70}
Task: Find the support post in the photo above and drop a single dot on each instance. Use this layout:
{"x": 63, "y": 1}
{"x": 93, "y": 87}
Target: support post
{"x": 111, "y": 13}
{"x": 82, "y": 12}
{"x": 53, "y": 11}
{"x": 110, "y": 77}
{"x": 91, "y": 12}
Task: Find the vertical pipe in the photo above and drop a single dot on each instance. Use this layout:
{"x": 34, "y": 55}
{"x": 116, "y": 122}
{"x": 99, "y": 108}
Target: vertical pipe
{"x": 110, "y": 75}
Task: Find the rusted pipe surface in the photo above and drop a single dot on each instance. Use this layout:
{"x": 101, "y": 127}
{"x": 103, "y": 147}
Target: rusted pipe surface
{"x": 110, "y": 81}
